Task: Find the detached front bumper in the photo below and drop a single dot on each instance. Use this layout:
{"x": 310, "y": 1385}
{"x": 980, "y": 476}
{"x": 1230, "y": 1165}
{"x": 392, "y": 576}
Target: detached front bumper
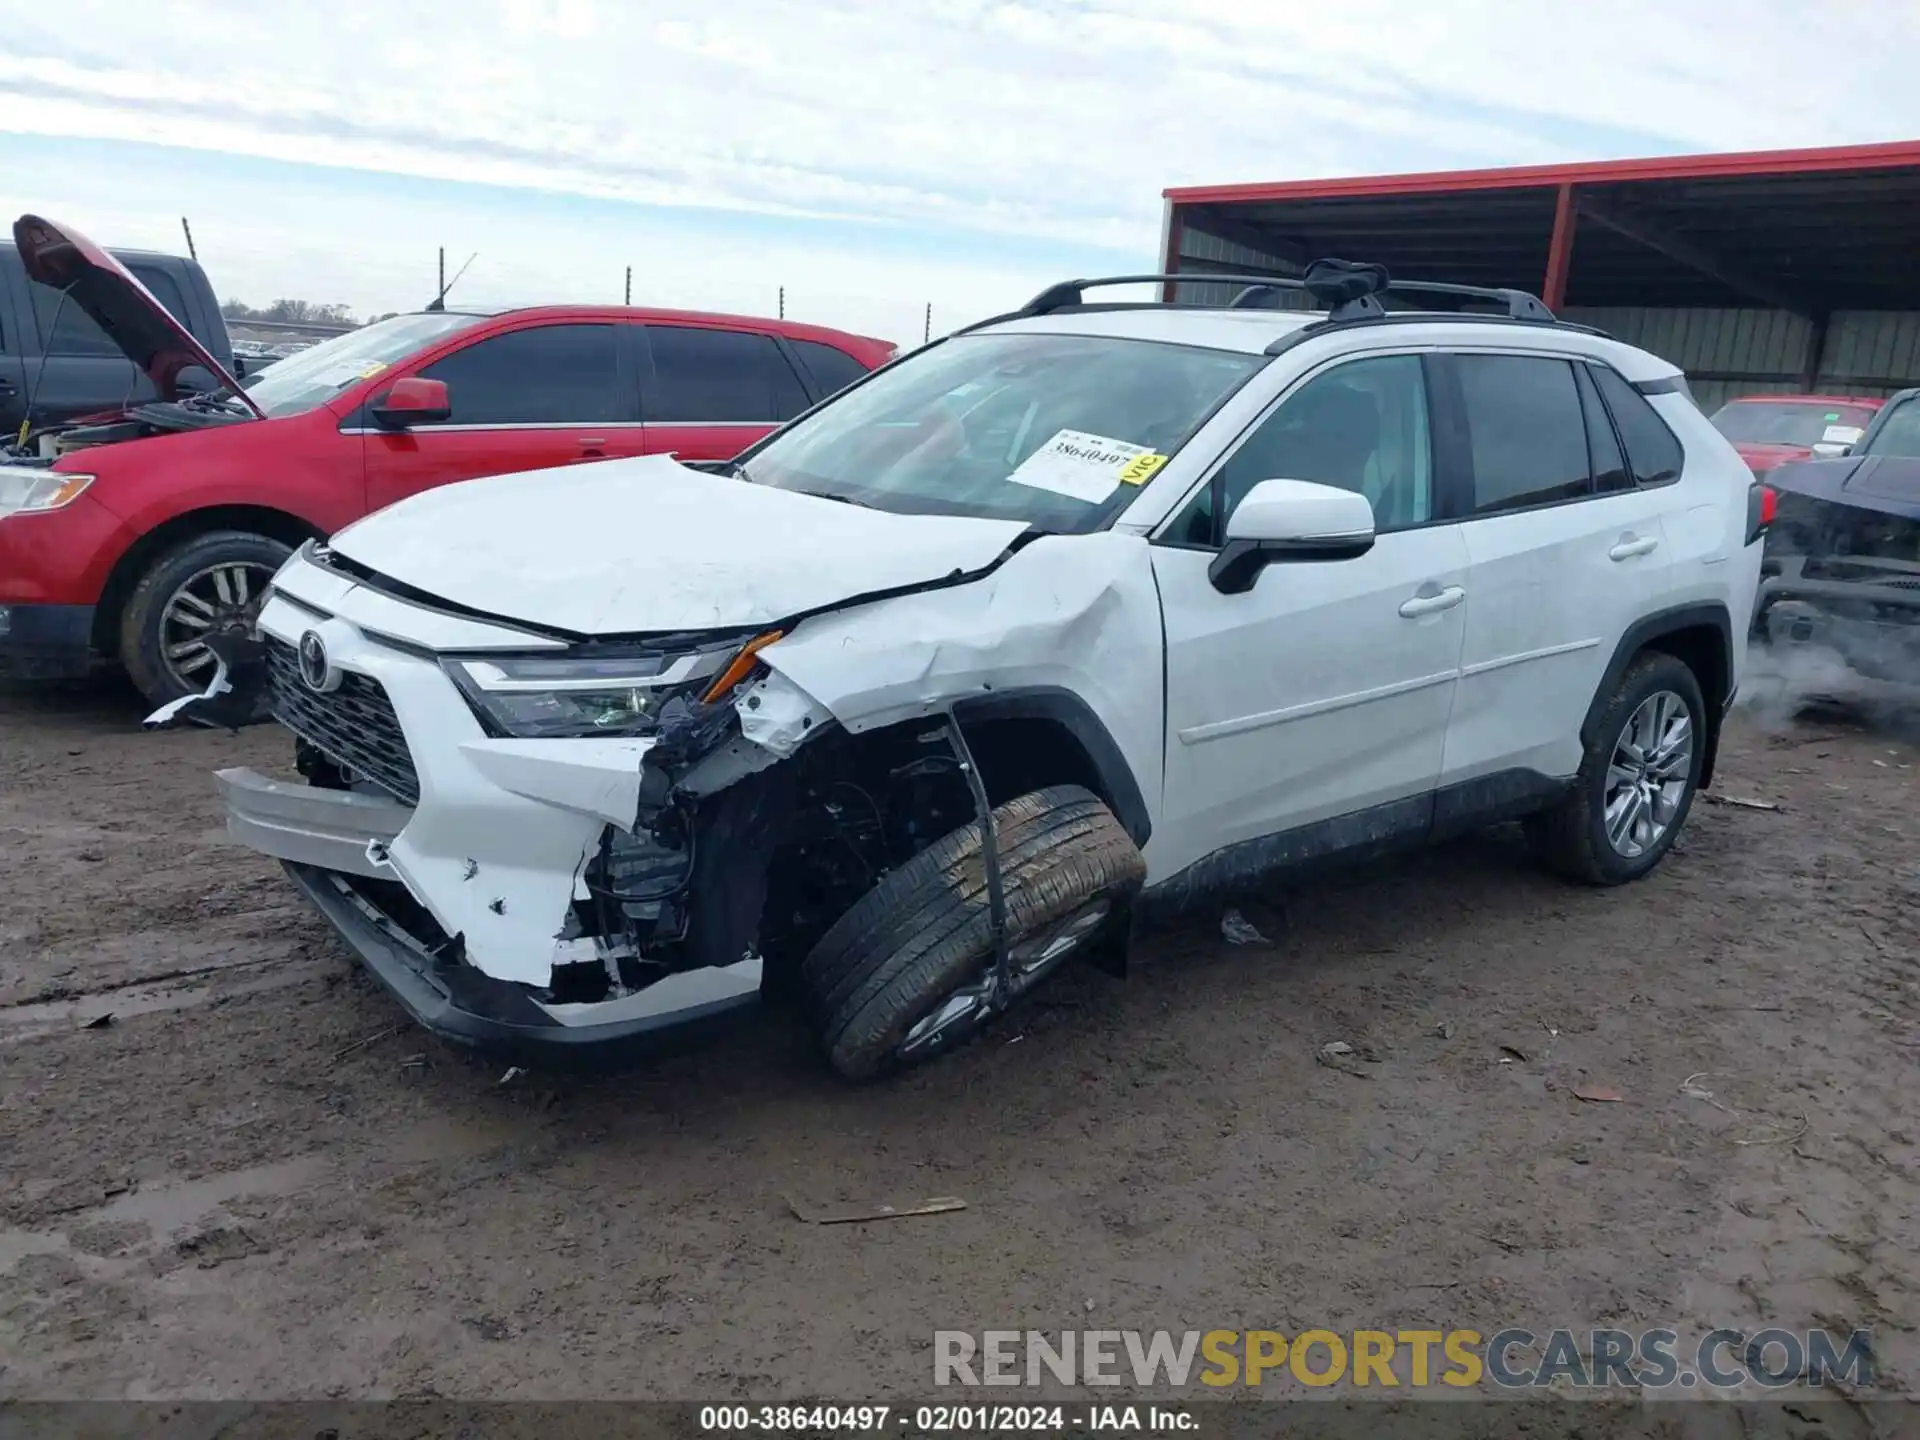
{"x": 329, "y": 842}
{"x": 461, "y": 867}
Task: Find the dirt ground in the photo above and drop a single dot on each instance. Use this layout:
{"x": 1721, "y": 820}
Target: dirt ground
{"x": 256, "y": 1183}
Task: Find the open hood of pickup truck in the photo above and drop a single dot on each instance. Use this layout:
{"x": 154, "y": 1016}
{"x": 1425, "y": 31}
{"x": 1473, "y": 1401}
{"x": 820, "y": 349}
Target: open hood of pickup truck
{"x": 627, "y": 547}
{"x": 119, "y": 304}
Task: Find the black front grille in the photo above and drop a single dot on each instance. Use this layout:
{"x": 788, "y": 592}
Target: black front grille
{"x": 353, "y": 726}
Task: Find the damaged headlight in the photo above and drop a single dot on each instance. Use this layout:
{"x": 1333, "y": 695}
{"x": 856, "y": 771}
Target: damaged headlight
{"x": 614, "y": 694}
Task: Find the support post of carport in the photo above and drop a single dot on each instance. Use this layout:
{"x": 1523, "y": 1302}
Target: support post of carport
{"x": 1560, "y": 250}
{"x": 1816, "y": 352}
{"x": 1170, "y": 250}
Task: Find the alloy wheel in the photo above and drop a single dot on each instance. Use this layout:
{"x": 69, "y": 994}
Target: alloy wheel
{"x": 1648, "y": 776}
{"x": 221, "y": 599}
{"x": 1029, "y": 961}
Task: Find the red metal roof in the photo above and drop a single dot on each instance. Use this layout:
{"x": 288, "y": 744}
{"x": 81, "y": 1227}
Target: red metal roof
{"x": 1891, "y": 155}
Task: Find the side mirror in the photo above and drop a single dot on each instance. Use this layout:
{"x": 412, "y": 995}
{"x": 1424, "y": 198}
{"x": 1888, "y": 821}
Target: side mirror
{"x": 412, "y": 401}
{"x": 1289, "y": 520}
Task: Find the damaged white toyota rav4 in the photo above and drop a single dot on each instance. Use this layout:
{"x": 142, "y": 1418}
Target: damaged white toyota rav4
{"x": 1088, "y": 612}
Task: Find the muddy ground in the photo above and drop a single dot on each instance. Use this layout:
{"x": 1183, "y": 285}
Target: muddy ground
{"x": 254, "y": 1182}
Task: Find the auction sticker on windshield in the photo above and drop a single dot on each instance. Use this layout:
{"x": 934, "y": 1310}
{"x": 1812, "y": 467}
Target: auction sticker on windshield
{"x": 1086, "y": 467}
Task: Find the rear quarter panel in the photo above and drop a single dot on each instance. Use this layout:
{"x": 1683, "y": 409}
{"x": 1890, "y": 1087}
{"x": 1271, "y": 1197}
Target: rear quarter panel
{"x": 1705, "y": 521}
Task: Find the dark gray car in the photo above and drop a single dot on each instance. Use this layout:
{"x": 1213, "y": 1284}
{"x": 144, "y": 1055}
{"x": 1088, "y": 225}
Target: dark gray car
{"x": 56, "y": 358}
{"x": 1842, "y": 569}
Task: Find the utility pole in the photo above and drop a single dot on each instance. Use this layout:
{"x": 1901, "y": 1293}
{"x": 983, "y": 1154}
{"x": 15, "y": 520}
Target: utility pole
{"x": 192, "y": 254}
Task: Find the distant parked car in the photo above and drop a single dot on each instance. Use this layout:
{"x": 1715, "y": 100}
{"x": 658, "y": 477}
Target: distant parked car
{"x": 57, "y": 356}
{"x": 1769, "y": 430}
{"x": 136, "y": 535}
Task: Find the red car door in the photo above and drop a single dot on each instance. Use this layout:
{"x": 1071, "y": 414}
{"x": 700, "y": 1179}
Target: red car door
{"x": 708, "y": 392}
{"x": 524, "y": 399}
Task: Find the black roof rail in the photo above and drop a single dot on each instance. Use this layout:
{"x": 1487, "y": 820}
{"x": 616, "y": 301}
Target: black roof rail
{"x": 1348, "y": 290}
{"x": 1069, "y": 293}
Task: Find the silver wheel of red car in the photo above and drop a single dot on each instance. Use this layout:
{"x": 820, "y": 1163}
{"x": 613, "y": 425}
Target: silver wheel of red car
{"x": 207, "y": 585}
{"x": 224, "y": 597}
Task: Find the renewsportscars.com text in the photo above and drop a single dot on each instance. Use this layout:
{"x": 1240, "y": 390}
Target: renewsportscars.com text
{"x": 1414, "y": 1359}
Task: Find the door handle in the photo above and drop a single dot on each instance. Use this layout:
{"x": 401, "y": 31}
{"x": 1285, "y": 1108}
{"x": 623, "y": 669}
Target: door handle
{"x": 1630, "y": 547}
{"x": 1432, "y": 604}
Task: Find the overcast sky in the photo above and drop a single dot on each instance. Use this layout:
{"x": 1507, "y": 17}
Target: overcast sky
{"x": 870, "y": 156}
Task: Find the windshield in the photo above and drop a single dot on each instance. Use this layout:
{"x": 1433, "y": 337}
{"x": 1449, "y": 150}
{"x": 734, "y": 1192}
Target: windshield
{"x": 1899, "y": 433}
{"x": 312, "y": 377}
{"x": 1756, "y": 422}
{"x": 1058, "y": 431}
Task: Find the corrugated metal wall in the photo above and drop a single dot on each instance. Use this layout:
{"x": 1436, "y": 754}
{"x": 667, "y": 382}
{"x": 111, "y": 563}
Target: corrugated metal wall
{"x": 1724, "y": 352}
{"x": 1201, "y": 251}
{"x": 1751, "y": 352}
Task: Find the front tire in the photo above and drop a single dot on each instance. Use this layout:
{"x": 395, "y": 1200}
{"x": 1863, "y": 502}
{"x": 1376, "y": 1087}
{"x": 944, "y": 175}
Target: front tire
{"x": 903, "y": 975}
{"x": 1637, "y": 779}
{"x": 217, "y": 581}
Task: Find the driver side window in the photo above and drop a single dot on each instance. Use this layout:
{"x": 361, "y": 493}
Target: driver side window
{"x": 1360, "y": 426}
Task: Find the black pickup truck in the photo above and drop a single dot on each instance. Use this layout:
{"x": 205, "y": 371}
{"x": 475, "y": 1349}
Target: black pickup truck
{"x": 55, "y": 358}
{"x": 1842, "y": 567}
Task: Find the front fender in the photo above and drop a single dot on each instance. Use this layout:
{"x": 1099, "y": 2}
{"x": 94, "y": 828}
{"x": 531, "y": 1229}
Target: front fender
{"x": 1068, "y": 628}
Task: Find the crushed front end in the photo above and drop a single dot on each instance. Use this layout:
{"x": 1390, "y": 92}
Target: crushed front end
{"x": 1842, "y": 569}
{"x": 566, "y": 854}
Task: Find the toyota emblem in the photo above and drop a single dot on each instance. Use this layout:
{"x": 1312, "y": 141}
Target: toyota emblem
{"x": 316, "y": 671}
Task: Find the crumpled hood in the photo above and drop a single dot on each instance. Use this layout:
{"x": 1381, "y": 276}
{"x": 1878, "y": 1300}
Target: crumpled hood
{"x": 622, "y": 547}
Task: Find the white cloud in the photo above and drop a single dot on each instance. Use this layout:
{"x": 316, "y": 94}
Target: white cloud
{"x": 1049, "y": 120}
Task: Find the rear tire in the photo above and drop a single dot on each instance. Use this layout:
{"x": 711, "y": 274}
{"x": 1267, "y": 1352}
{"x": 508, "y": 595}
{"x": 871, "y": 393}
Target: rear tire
{"x": 919, "y": 945}
{"x": 210, "y": 582}
{"x": 1637, "y": 779}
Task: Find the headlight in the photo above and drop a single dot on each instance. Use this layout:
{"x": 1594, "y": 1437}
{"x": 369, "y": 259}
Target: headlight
{"x": 34, "y": 492}
{"x": 628, "y": 693}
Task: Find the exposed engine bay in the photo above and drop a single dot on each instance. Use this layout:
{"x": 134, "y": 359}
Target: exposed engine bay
{"x": 1842, "y": 567}
{"x": 764, "y": 866}
{"x": 47, "y": 444}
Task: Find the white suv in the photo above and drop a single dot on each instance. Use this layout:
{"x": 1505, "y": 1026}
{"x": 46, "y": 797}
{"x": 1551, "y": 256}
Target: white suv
{"x": 1087, "y": 612}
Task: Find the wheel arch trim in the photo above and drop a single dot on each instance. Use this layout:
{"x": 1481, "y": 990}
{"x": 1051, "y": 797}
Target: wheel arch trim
{"x": 1640, "y": 636}
{"x": 1073, "y": 715}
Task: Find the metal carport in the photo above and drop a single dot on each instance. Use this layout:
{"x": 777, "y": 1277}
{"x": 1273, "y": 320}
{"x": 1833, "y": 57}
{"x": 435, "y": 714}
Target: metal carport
{"x": 1786, "y": 270}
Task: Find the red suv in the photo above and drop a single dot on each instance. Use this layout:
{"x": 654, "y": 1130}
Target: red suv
{"x": 131, "y": 536}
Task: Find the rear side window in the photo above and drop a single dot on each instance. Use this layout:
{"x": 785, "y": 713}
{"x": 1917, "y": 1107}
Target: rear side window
{"x": 1527, "y": 432}
{"x": 1603, "y": 446}
{"x": 69, "y": 330}
{"x": 551, "y": 374}
{"x": 831, "y": 369}
{"x": 1653, "y": 454}
{"x": 719, "y": 377}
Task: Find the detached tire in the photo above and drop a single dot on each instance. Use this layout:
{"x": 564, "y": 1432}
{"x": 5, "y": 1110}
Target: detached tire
{"x": 211, "y": 582}
{"x": 1637, "y": 779}
{"x": 920, "y": 943}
